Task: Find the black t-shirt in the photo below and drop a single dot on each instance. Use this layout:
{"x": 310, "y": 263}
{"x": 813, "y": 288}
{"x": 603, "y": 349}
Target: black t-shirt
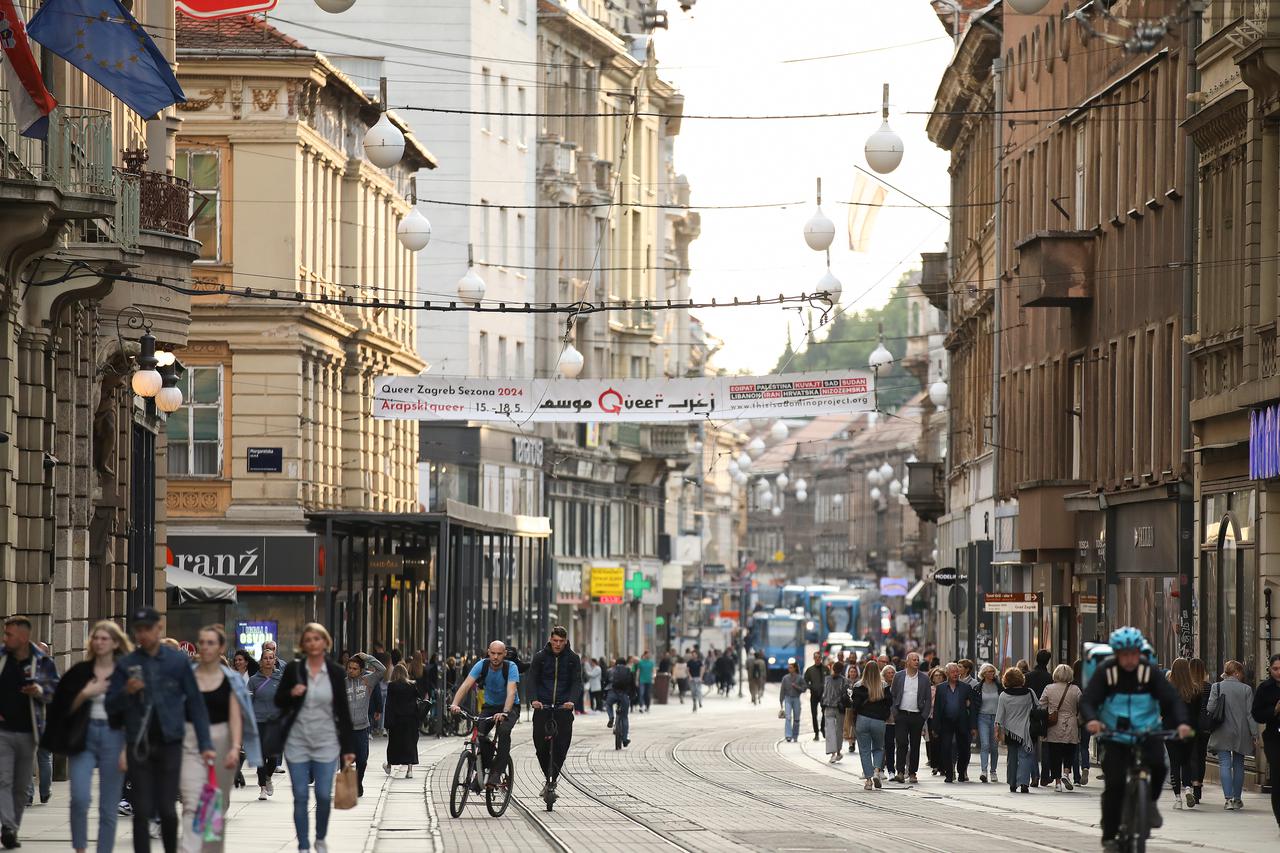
{"x": 218, "y": 702}
{"x": 15, "y": 706}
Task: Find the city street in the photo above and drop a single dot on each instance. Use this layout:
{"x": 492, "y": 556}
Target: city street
{"x": 721, "y": 779}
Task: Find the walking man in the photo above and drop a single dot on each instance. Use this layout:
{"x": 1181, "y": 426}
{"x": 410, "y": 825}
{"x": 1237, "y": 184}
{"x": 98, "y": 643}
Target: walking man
{"x": 1038, "y": 679}
{"x": 27, "y": 681}
{"x": 757, "y": 672}
{"x": 815, "y": 677}
{"x": 695, "y": 678}
{"x": 644, "y": 674}
{"x": 912, "y": 710}
{"x": 954, "y": 708}
{"x": 364, "y": 675}
{"x": 154, "y": 689}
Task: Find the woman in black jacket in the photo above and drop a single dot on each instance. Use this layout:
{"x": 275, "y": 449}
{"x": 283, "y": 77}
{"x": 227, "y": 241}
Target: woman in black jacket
{"x": 1266, "y": 711}
{"x": 872, "y": 700}
{"x": 401, "y": 720}
{"x": 79, "y": 727}
{"x": 316, "y": 729}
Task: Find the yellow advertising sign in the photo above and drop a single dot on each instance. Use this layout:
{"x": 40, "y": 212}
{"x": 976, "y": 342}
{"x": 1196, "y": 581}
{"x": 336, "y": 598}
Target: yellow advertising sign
{"x": 607, "y": 584}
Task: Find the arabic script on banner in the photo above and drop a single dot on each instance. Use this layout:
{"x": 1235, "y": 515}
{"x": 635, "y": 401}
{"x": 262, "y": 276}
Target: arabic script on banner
{"x": 621, "y": 400}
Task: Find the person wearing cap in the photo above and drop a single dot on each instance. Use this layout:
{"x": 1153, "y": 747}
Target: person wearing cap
{"x": 155, "y": 691}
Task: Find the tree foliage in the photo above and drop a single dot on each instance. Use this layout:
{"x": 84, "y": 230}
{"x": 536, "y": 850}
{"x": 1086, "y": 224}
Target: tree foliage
{"x": 851, "y": 336}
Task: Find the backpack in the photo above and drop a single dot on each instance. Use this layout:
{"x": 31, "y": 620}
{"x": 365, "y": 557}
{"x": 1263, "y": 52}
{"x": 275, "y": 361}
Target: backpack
{"x": 623, "y": 679}
{"x": 1126, "y": 713}
{"x": 484, "y": 675}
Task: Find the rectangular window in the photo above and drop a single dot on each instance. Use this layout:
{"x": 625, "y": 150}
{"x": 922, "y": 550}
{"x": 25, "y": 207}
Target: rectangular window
{"x": 1077, "y": 416}
{"x": 483, "y": 248}
{"x": 486, "y": 100}
{"x": 195, "y": 430}
{"x": 522, "y": 120}
{"x": 1080, "y": 169}
{"x": 520, "y": 260}
{"x": 482, "y": 356}
{"x": 519, "y": 367}
{"x": 506, "y": 110}
{"x": 503, "y": 237}
{"x": 203, "y": 169}
{"x": 502, "y": 357}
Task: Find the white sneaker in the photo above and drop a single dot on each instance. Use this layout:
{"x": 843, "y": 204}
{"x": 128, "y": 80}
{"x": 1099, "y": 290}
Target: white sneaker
{"x": 1190, "y": 797}
{"x": 1177, "y": 803}
{"x": 262, "y": 792}
{"x": 866, "y": 785}
{"x": 1057, "y": 787}
{"x": 271, "y": 789}
{"x": 832, "y": 759}
{"x": 321, "y": 846}
{"x": 993, "y": 777}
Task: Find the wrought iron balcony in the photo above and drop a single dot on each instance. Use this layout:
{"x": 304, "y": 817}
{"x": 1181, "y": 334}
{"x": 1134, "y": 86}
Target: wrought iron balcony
{"x": 165, "y": 203}
{"x": 79, "y": 152}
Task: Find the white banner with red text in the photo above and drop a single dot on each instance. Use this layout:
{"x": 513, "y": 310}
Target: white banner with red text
{"x": 446, "y": 398}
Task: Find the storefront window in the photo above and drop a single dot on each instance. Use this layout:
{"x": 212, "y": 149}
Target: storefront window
{"x": 1228, "y": 579}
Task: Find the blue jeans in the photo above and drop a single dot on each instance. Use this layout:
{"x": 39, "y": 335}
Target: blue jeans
{"x": 646, "y": 695}
{"x": 988, "y": 749}
{"x": 791, "y": 711}
{"x": 1082, "y": 754}
{"x": 1021, "y": 763}
{"x": 362, "y": 756}
{"x": 302, "y": 774}
{"x": 101, "y": 750}
{"x": 1231, "y": 769}
{"x": 870, "y": 734}
{"x": 44, "y": 760}
{"x": 622, "y": 722}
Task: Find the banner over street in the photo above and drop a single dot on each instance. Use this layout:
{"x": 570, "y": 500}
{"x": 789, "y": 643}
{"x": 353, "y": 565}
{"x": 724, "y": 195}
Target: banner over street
{"x": 444, "y": 398}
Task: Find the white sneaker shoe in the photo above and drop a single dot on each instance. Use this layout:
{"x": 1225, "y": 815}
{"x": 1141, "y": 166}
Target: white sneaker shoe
{"x": 321, "y": 846}
{"x": 1190, "y": 797}
{"x": 271, "y": 789}
{"x": 1177, "y": 803}
{"x": 866, "y": 785}
{"x": 262, "y": 792}
{"x": 1057, "y": 787}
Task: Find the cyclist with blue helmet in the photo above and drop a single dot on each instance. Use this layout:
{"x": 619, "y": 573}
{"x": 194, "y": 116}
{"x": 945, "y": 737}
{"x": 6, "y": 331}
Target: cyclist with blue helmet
{"x": 1129, "y": 696}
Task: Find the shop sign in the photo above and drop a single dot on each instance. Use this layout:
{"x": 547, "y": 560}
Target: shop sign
{"x": 249, "y": 561}
{"x": 390, "y": 563}
{"x": 526, "y": 451}
{"x": 944, "y": 577}
{"x": 1147, "y": 537}
{"x": 608, "y": 584}
{"x": 264, "y": 460}
{"x": 1011, "y": 602}
{"x": 621, "y": 400}
{"x": 568, "y": 584}
{"x": 890, "y": 587}
{"x": 1264, "y": 442}
{"x": 253, "y": 635}
{"x": 208, "y": 9}
{"x": 1088, "y": 604}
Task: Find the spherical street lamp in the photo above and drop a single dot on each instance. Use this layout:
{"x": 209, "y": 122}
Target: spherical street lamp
{"x": 744, "y": 461}
{"x": 776, "y": 511}
{"x": 471, "y": 285}
{"x": 873, "y": 477}
{"x": 781, "y": 481}
{"x": 1027, "y": 7}
{"x": 732, "y": 468}
{"x": 779, "y": 431}
{"x": 414, "y": 231}
{"x": 756, "y": 447}
{"x": 765, "y": 498}
{"x": 801, "y": 486}
{"x": 886, "y": 472}
{"x": 875, "y": 493}
{"x": 895, "y": 487}
{"x": 884, "y": 147}
{"x": 837, "y": 499}
{"x": 169, "y": 398}
{"x": 570, "y": 363}
{"x": 802, "y": 495}
{"x": 830, "y": 285}
{"x": 146, "y": 380}
{"x": 384, "y": 143}
{"x": 880, "y": 357}
{"x": 938, "y": 394}
{"x": 819, "y": 231}
{"x": 335, "y": 7}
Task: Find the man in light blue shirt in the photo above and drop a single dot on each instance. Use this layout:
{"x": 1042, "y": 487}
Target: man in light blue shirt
{"x": 501, "y": 701}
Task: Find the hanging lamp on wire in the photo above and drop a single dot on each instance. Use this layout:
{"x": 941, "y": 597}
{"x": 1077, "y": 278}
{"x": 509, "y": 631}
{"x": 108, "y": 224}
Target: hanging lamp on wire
{"x": 471, "y": 285}
{"x": 383, "y": 143}
{"x": 414, "y": 231}
{"x": 819, "y": 231}
{"x": 884, "y": 147}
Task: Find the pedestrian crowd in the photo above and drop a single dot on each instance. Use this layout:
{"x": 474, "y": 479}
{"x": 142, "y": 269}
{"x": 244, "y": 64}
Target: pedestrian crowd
{"x": 1043, "y": 715}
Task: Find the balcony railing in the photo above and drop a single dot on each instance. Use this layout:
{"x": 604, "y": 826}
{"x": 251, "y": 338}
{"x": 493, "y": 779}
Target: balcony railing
{"x": 79, "y": 152}
{"x": 165, "y": 203}
{"x": 125, "y": 226}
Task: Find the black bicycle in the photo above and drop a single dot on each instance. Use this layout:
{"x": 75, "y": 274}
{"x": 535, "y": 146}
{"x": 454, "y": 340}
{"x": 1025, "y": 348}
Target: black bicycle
{"x": 470, "y": 769}
{"x": 552, "y": 729}
{"x": 1135, "y": 815}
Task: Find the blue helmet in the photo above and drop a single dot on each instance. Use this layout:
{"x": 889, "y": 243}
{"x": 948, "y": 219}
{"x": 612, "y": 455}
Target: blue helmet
{"x": 1127, "y": 637}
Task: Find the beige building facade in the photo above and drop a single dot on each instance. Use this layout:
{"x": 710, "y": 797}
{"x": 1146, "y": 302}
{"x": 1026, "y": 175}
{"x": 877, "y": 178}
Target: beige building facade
{"x": 303, "y": 272}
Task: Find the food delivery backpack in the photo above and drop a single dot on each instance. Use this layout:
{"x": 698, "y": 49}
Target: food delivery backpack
{"x": 1124, "y": 714}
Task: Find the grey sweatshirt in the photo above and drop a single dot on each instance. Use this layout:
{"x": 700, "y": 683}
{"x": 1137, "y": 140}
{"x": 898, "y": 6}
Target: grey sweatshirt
{"x": 360, "y": 689}
{"x": 792, "y": 686}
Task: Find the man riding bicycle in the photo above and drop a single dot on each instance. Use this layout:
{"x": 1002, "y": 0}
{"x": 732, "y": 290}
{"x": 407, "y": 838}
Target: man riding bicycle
{"x": 1126, "y": 698}
{"x": 501, "y": 703}
{"x": 556, "y": 673}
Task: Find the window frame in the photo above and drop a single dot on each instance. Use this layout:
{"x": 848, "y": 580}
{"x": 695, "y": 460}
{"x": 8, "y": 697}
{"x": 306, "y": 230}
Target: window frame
{"x": 185, "y": 152}
{"x": 187, "y": 411}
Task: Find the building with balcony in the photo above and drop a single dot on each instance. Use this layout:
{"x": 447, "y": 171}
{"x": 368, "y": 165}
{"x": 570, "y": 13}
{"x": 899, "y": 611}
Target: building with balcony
{"x": 87, "y": 263}
{"x": 294, "y": 223}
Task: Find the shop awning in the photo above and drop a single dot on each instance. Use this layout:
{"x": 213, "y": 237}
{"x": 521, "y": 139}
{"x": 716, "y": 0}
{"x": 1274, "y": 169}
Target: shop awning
{"x": 914, "y": 591}
{"x": 189, "y": 587}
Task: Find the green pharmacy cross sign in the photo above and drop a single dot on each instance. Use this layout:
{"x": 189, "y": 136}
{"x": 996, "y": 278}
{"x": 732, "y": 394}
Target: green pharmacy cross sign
{"x": 638, "y": 585}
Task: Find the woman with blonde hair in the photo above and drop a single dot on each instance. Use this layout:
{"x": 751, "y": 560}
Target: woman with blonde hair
{"x": 77, "y": 725}
{"x": 1236, "y": 735}
{"x": 989, "y": 690}
{"x": 871, "y": 702}
{"x": 890, "y": 764}
{"x": 1062, "y": 700}
{"x": 316, "y": 730}
{"x": 232, "y": 726}
{"x": 401, "y": 720}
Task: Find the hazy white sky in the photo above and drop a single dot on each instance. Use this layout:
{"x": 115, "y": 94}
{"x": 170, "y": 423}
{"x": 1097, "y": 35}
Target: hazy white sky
{"x": 728, "y": 56}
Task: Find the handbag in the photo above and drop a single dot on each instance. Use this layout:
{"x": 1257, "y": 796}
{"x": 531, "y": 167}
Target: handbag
{"x": 1053, "y": 715}
{"x": 1212, "y": 720}
{"x": 207, "y": 821}
{"x": 345, "y": 792}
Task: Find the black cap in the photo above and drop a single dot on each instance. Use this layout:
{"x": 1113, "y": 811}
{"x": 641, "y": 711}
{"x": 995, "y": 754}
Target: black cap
{"x": 144, "y": 616}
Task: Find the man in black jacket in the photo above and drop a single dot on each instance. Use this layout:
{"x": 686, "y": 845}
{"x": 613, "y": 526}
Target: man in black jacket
{"x": 815, "y": 677}
{"x": 956, "y": 714}
{"x": 555, "y": 676}
{"x": 1038, "y": 679}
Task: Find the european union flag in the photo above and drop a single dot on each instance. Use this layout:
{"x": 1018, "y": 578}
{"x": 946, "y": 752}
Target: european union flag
{"x": 104, "y": 41}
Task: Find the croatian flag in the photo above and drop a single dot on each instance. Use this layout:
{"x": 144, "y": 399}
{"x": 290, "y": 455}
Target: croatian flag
{"x": 32, "y": 102}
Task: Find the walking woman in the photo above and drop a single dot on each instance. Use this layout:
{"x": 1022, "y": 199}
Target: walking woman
{"x": 593, "y": 673}
{"x": 936, "y": 676}
{"x": 835, "y": 691}
{"x": 1182, "y": 764}
{"x": 679, "y": 674}
{"x": 401, "y": 719}
{"x": 989, "y": 689}
{"x": 317, "y": 729}
{"x": 1062, "y": 700}
{"x": 1231, "y": 701}
{"x": 1013, "y": 725}
{"x": 77, "y": 725}
{"x": 890, "y": 764}
{"x": 793, "y": 684}
{"x": 1080, "y": 766}
{"x": 871, "y": 701}
{"x": 231, "y": 726}
{"x": 262, "y": 690}
{"x": 1200, "y": 744}
{"x": 1266, "y": 712}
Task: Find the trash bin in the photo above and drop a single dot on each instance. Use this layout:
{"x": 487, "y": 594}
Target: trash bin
{"x": 661, "y": 687}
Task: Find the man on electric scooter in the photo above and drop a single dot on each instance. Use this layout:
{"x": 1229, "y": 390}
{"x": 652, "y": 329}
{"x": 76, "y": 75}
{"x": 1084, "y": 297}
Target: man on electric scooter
{"x": 1128, "y": 696}
{"x": 556, "y": 673}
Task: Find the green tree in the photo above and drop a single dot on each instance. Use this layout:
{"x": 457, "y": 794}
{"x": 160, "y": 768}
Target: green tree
{"x": 849, "y": 339}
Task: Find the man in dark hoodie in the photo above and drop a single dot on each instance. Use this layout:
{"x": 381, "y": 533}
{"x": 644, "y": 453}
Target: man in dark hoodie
{"x": 555, "y": 683}
{"x": 1038, "y": 679}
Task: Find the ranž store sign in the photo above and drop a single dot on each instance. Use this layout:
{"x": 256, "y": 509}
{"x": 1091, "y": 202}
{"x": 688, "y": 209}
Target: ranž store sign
{"x": 210, "y": 9}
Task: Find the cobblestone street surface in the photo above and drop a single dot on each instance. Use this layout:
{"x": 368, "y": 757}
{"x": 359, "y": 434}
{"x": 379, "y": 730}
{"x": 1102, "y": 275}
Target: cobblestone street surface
{"x": 718, "y": 780}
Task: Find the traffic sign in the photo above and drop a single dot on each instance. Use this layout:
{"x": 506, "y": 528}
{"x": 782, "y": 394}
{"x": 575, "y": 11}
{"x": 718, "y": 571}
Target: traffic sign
{"x": 944, "y": 577}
